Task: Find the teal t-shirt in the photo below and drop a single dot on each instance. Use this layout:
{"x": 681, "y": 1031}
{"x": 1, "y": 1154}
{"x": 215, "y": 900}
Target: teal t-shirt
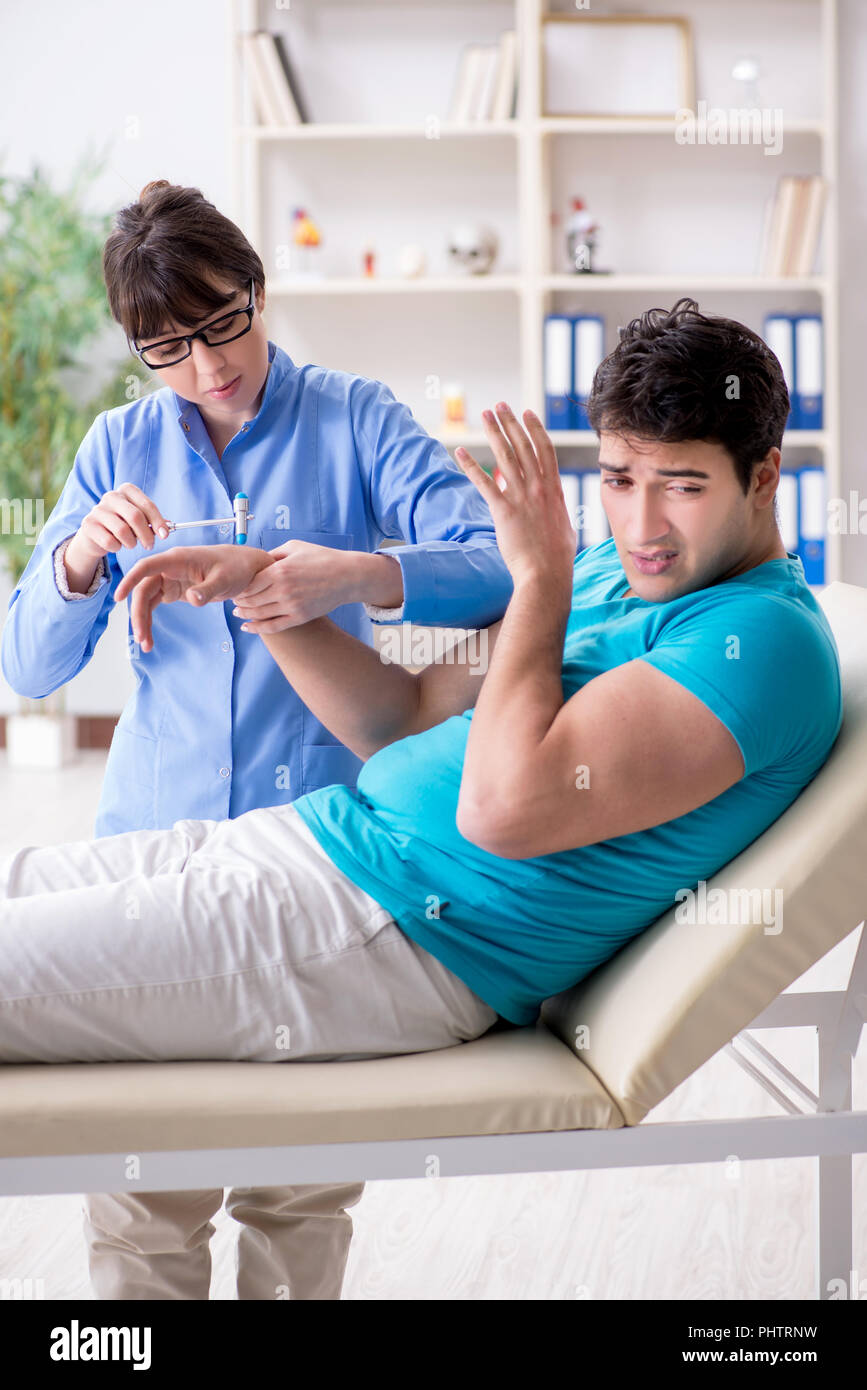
{"x": 520, "y": 930}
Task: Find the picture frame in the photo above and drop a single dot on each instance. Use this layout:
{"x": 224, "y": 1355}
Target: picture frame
{"x": 622, "y": 66}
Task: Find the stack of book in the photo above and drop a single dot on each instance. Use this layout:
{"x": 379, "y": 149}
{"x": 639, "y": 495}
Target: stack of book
{"x": 793, "y": 221}
{"x": 574, "y": 345}
{"x": 486, "y": 86}
{"x": 273, "y": 85}
{"x": 797, "y": 342}
{"x": 582, "y": 489}
{"x": 801, "y": 496}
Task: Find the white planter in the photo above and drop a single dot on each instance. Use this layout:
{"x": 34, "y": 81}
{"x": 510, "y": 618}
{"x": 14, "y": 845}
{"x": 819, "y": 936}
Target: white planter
{"x": 40, "y": 740}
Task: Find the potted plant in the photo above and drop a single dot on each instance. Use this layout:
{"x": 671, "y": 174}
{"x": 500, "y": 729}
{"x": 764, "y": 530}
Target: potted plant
{"x": 54, "y": 314}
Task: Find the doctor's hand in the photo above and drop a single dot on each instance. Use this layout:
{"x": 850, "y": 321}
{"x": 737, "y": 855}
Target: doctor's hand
{"x": 124, "y": 517}
{"x": 535, "y": 535}
{"x": 308, "y": 581}
{"x": 198, "y": 574}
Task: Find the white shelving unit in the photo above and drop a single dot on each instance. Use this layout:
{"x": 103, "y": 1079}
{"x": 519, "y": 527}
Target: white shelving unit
{"x": 539, "y": 149}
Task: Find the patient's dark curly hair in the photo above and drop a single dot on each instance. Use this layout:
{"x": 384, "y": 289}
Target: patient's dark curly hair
{"x": 679, "y": 374}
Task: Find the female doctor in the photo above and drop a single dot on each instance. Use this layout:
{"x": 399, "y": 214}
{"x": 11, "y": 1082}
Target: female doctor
{"x": 332, "y": 465}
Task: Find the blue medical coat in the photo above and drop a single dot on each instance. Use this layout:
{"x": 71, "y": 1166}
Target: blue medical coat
{"x": 213, "y": 727}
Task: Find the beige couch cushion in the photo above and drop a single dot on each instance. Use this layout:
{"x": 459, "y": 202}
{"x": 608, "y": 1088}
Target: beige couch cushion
{"x": 674, "y": 995}
{"x": 503, "y": 1083}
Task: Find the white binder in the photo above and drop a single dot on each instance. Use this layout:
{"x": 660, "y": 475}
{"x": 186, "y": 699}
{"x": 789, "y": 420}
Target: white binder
{"x": 787, "y": 498}
{"x": 595, "y": 520}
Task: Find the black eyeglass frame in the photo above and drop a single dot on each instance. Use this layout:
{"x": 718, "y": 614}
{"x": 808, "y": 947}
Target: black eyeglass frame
{"x": 249, "y": 309}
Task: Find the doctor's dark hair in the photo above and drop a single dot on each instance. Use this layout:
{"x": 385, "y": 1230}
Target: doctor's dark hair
{"x": 162, "y": 255}
{"x": 678, "y": 374}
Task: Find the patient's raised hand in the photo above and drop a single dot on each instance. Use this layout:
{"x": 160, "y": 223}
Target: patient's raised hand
{"x": 198, "y": 574}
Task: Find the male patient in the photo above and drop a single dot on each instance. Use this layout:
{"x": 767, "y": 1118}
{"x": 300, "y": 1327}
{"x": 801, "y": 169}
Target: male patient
{"x": 648, "y": 709}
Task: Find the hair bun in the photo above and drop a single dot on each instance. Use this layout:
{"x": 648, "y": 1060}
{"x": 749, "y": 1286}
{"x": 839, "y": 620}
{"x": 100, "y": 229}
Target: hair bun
{"x": 152, "y": 188}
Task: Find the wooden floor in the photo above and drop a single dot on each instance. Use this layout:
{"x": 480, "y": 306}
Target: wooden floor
{"x": 655, "y": 1233}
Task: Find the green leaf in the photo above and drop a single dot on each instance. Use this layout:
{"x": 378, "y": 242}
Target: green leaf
{"x": 55, "y": 308}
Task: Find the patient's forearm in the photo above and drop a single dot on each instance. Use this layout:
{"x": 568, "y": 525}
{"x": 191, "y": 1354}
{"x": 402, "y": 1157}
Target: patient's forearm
{"x": 521, "y": 697}
{"x": 365, "y": 702}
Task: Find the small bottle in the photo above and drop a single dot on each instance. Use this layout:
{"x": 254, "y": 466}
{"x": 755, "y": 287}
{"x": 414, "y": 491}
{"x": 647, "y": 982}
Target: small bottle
{"x": 454, "y": 407}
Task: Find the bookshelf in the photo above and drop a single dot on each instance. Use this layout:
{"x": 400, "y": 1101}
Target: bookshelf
{"x": 698, "y": 208}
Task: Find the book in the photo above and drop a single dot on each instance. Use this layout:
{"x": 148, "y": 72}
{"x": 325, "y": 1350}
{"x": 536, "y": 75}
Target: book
{"x": 485, "y": 86}
{"x": 595, "y": 526}
{"x": 811, "y": 526}
{"x": 787, "y": 500}
{"x": 817, "y": 194}
{"x": 800, "y": 199}
{"x": 461, "y": 94}
{"x": 808, "y": 372}
{"x": 505, "y": 92}
{"x": 796, "y": 341}
{"x": 281, "y": 93}
{"x": 489, "y": 62}
{"x": 571, "y": 484}
{"x": 557, "y": 344}
{"x": 781, "y": 226}
{"x": 779, "y": 334}
{"x": 264, "y": 101}
{"x": 792, "y": 226}
{"x": 588, "y": 350}
{"x": 472, "y": 83}
{"x": 291, "y": 78}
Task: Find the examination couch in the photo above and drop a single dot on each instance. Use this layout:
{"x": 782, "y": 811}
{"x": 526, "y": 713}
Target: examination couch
{"x": 570, "y": 1092}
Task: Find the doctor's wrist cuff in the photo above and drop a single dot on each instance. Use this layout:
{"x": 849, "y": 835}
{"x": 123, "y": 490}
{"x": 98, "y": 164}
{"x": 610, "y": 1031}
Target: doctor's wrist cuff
{"x": 61, "y": 578}
{"x": 384, "y": 615}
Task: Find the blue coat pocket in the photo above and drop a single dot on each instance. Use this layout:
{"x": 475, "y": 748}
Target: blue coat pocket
{"x": 129, "y": 790}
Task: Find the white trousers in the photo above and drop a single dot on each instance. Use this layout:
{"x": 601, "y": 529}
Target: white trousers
{"x": 235, "y": 940}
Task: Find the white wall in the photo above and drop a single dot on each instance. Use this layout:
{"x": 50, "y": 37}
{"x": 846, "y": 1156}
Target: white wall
{"x": 853, "y": 268}
{"x": 147, "y": 84}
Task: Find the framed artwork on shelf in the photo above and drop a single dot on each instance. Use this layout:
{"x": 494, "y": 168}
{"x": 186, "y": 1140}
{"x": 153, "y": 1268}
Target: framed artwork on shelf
{"x": 616, "y": 65}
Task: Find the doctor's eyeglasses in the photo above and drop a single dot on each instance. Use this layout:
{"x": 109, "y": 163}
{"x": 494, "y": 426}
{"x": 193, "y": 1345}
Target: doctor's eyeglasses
{"x": 224, "y": 329}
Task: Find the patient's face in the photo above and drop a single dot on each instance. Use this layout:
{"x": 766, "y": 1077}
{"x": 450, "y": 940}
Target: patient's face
{"x": 700, "y": 514}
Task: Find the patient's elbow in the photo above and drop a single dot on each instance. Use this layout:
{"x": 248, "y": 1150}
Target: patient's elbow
{"x": 488, "y": 830}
